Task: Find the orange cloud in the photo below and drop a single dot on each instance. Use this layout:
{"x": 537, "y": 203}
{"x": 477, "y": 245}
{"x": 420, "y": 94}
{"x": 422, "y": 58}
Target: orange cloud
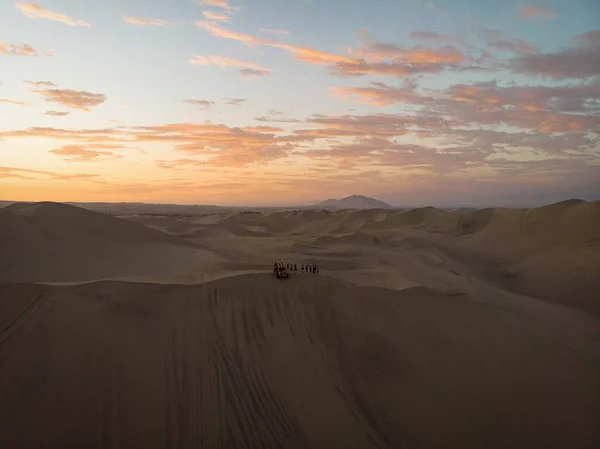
{"x": 78, "y": 153}
{"x": 37, "y": 12}
{"x": 247, "y": 68}
{"x": 217, "y": 3}
{"x": 146, "y": 22}
{"x": 26, "y": 173}
{"x": 17, "y": 50}
{"x": 75, "y": 99}
{"x": 530, "y": 12}
{"x": 380, "y": 94}
{"x": 210, "y": 15}
{"x": 15, "y": 102}
{"x": 305, "y": 54}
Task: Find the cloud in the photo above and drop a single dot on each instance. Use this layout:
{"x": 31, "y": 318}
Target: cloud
{"x": 222, "y": 62}
{"x": 37, "y": 12}
{"x": 254, "y": 72}
{"x": 15, "y": 102}
{"x": 26, "y": 173}
{"x": 432, "y": 36}
{"x": 580, "y": 60}
{"x": 224, "y": 4}
{"x": 210, "y": 15}
{"x": 530, "y": 12}
{"x": 56, "y": 113}
{"x": 179, "y": 163}
{"x": 381, "y": 94}
{"x": 41, "y": 83}
{"x": 274, "y": 31}
{"x": 146, "y": 22}
{"x": 373, "y": 58}
{"x": 204, "y": 104}
{"x": 75, "y": 99}
{"x": 17, "y": 50}
{"x": 304, "y": 54}
{"x": 78, "y": 153}
{"x": 235, "y": 101}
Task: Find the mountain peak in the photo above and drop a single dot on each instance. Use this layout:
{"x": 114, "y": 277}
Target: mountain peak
{"x": 354, "y": 202}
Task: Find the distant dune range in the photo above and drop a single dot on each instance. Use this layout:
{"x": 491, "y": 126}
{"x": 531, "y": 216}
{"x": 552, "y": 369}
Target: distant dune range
{"x": 425, "y": 328}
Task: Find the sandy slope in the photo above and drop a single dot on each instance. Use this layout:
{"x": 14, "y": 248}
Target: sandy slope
{"x": 57, "y": 242}
{"x": 426, "y": 328}
{"x": 250, "y": 362}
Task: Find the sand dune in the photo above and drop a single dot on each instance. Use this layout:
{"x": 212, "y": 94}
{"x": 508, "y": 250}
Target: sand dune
{"x": 249, "y": 362}
{"x": 56, "y": 242}
{"x": 426, "y": 328}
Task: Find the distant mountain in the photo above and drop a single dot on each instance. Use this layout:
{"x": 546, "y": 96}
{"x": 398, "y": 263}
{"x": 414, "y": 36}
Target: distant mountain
{"x": 354, "y": 202}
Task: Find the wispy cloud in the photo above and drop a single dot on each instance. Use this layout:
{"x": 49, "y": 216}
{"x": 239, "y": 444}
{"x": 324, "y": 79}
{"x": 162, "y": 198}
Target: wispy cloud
{"x": 15, "y": 102}
{"x": 248, "y": 69}
{"x": 17, "y": 50}
{"x": 75, "y": 99}
{"x": 234, "y": 101}
{"x": 305, "y": 54}
{"x": 37, "y": 12}
{"x": 203, "y": 104}
{"x": 27, "y": 173}
{"x": 254, "y": 72}
{"x": 57, "y": 113}
{"x": 222, "y": 62}
{"x": 41, "y": 83}
{"x": 224, "y": 4}
{"x": 146, "y": 22}
{"x": 274, "y": 31}
{"x": 530, "y": 12}
{"x": 218, "y": 17}
{"x": 380, "y": 94}
{"x": 432, "y": 36}
{"x": 79, "y": 153}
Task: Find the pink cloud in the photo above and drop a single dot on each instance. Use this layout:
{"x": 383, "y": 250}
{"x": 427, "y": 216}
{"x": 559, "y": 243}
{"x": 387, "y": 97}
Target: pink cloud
{"x": 146, "y": 22}
{"x": 530, "y": 12}
{"x": 210, "y": 15}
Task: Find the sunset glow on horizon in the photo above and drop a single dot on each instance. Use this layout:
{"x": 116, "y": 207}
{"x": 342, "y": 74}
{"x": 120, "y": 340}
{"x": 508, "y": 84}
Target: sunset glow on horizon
{"x": 270, "y": 102}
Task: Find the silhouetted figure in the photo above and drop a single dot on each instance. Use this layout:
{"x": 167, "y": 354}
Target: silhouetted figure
{"x": 303, "y": 268}
{"x": 317, "y": 269}
{"x": 295, "y": 268}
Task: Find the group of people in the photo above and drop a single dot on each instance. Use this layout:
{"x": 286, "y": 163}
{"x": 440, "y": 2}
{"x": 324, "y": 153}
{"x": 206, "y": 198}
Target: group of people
{"x": 304, "y": 268}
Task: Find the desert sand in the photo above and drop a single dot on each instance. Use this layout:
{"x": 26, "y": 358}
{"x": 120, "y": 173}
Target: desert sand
{"x": 136, "y": 328}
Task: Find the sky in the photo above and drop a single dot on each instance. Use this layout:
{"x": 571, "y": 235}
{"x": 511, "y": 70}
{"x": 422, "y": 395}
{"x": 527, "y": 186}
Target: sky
{"x": 283, "y": 102}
